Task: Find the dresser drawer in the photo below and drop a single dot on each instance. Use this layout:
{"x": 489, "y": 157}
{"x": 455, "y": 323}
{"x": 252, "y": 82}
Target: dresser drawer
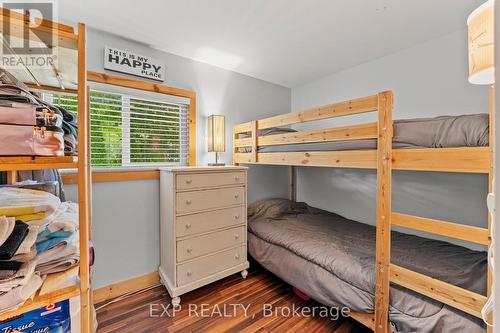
{"x": 202, "y": 222}
{"x": 206, "y": 266}
{"x": 212, "y": 179}
{"x": 187, "y": 202}
{"x": 216, "y": 241}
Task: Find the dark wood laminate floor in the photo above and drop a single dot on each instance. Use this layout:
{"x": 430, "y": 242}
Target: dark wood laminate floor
{"x": 203, "y": 310}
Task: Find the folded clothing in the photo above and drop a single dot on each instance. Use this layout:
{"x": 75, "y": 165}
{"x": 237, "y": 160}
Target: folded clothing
{"x": 28, "y": 242}
{"x": 70, "y": 145}
{"x": 60, "y": 265}
{"x": 59, "y": 257}
{"x": 20, "y": 201}
{"x": 6, "y": 227}
{"x": 16, "y": 297}
{"x": 61, "y": 250}
{"x": 54, "y": 241}
{"x": 20, "y": 278}
{"x": 12, "y": 244}
{"x": 25, "y": 257}
{"x": 31, "y": 217}
{"x": 10, "y": 265}
{"x": 64, "y": 218}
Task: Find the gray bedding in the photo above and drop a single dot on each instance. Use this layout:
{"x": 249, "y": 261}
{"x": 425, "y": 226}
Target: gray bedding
{"x": 332, "y": 259}
{"x": 440, "y": 132}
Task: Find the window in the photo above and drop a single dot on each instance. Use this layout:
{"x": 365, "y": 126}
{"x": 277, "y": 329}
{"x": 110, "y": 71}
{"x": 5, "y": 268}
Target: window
{"x": 127, "y": 131}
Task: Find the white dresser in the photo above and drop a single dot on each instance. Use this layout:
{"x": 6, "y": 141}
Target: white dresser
{"x": 203, "y": 229}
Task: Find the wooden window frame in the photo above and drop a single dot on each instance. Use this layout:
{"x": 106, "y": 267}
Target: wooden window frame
{"x": 99, "y": 176}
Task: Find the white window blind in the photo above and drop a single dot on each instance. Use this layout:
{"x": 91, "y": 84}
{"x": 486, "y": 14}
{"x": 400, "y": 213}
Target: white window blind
{"x": 128, "y": 131}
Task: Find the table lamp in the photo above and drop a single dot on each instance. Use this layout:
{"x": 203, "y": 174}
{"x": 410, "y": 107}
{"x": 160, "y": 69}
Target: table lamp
{"x": 216, "y": 137}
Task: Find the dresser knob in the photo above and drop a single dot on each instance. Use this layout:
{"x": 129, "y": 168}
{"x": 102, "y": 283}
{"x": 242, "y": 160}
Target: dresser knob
{"x": 236, "y": 196}
{"x": 189, "y": 273}
{"x": 188, "y": 202}
{"x": 236, "y": 236}
{"x": 189, "y": 181}
{"x": 189, "y": 250}
{"x": 236, "y": 217}
{"x": 188, "y": 225}
{"x": 236, "y": 178}
{"x": 237, "y": 256}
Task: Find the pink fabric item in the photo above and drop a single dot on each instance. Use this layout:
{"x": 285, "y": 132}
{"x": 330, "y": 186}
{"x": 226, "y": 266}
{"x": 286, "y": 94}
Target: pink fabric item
{"x": 18, "y": 116}
{"x": 301, "y": 294}
{"x": 24, "y": 140}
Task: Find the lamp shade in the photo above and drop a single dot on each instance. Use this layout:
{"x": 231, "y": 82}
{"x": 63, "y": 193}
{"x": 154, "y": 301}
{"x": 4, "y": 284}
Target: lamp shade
{"x": 216, "y": 134}
{"x": 481, "y": 50}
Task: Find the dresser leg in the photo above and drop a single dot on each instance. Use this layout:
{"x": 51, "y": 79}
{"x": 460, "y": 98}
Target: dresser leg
{"x": 176, "y": 301}
{"x": 244, "y": 274}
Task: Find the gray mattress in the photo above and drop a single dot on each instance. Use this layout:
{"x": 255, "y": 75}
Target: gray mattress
{"x": 440, "y": 132}
{"x": 332, "y": 259}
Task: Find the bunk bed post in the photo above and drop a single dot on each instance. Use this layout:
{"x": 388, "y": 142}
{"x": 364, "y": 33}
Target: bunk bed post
{"x": 254, "y": 141}
{"x": 490, "y": 189}
{"x": 293, "y": 183}
{"x": 235, "y": 149}
{"x": 383, "y": 237}
{"x": 83, "y": 184}
{"x": 11, "y": 177}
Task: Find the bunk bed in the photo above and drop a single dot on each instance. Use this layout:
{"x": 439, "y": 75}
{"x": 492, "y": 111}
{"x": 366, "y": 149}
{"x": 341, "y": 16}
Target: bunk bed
{"x": 383, "y": 155}
{"x": 70, "y": 76}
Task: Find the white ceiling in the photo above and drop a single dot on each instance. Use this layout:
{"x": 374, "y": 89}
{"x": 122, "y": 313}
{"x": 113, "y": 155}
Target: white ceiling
{"x": 288, "y": 42}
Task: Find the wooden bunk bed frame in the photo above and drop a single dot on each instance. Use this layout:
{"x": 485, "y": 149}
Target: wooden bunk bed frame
{"x": 384, "y": 159}
{"x": 52, "y": 79}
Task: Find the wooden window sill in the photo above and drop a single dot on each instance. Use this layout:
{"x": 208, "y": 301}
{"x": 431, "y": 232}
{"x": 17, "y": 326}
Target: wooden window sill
{"x": 104, "y": 176}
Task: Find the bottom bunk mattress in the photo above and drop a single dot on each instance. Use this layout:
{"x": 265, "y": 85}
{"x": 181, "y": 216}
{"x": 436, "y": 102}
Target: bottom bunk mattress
{"x": 332, "y": 260}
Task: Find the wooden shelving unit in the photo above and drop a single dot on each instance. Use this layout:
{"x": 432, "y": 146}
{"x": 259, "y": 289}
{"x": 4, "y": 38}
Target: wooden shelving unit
{"x": 71, "y": 76}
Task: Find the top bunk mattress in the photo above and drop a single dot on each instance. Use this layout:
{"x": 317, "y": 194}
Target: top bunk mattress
{"x": 440, "y": 132}
{"x": 346, "y": 249}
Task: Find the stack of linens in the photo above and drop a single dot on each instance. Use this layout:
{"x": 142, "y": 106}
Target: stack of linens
{"x": 38, "y": 236}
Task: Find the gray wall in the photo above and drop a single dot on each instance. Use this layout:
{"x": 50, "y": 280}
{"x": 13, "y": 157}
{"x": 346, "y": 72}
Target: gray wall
{"x": 429, "y": 79}
{"x": 126, "y": 214}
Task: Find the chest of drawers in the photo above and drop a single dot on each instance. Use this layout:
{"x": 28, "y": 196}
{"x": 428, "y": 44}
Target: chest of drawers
{"x": 203, "y": 226}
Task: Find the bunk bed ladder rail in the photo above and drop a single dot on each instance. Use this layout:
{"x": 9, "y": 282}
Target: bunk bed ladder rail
{"x": 383, "y": 227}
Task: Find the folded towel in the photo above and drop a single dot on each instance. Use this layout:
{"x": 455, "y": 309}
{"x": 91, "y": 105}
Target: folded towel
{"x": 52, "y": 242}
{"x": 20, "y": 201}
{"x": 11, "y": 245}
{"x": 60, "y": 265}
{"x": 57, "y": 252}
{"x": 47, "y": 234}
{"x": 20, "y": 278}
{"x": 28, "y": 242}
{"x": 25, "y": 257}
{"x": 6, "y": 228}
{"x": 6, "y": 274}
{"x": 64, "y": 218}
{"x": 31, "y": 217}
{"x": 16, "y": 297}
{"x": 10, "y": 265}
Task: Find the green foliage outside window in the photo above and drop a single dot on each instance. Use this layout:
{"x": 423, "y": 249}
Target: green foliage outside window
{"x": 152, "y": 134}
